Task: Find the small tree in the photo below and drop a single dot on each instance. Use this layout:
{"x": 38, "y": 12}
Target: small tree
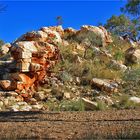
{"x": 59, "y": 20}
{"x": 132, "y": 7}
{"x": 1, "y": 42}
{"x": 122, "y": 24}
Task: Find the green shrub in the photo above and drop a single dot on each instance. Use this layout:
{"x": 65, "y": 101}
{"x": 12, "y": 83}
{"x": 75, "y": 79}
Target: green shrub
{"x": 125, "y": 103}
{"x": 119, "y": 55}
{"x": 101, "y": 105}
{"x": 133, "y": 75}
{"x": 71, "y": 106}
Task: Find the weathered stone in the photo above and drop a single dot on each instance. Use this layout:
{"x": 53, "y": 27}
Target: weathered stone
{"x": 22, "y": 103}
{"x": 6, "y": 102}
{"x": 4, "y": 49}
{"x": 35, "y": 67}
{"x": 67, "y": 95}
{"x": 19, "y": 98}
{"x": 24, "y": 81}
{"x": 132, "y": 55}
{"x": 58, "y": 29}
{"x": 23, "y": 47}
{"x": 25, "y": 108}
{"x": 23, "y": 66}
{"x": 33, "y": 36}
{"x": 39, "y": 106}
{"x": 25, "y": 60}
{"x": 14, "y": 108}
{"x": 97, "y": 36}
{"x": 104, "y": 85}
{"x": 117, "y": 66}
{"x": 134, "y": 99}
{"x": 1, "y": 104}
{"x": 11, "y": 93}
{"x": 89, "y": 105}
{"x": 25, "y": 54}
{"x": 8, "y": 85}
{"x": 53, "y": 36}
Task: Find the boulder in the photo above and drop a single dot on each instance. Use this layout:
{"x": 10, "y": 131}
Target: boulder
{"x": 92, "y": 35}
{"x": 52, "y": 35}
{"x": 117, "y": 66}
{"x": 104, "y": 85}
{"x": 89, "y": 105}
{"x": 5, "y": 48}
{"x": 23, "y": 66}
{"x": 8, "y": 85}
{"x": 38, "y": 106}
{"x": 34, "y": 36}
{"x": 132, "y": 56}
{"x": 134, "y": 99}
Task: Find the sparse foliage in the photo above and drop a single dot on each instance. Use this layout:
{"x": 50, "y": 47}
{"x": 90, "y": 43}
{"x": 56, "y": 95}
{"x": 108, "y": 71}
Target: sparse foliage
{"x": 132, "y": 7}
{"x": 1, "y": 42}
{"x": 59, "y": 20}
{"x": 122, "y": 24}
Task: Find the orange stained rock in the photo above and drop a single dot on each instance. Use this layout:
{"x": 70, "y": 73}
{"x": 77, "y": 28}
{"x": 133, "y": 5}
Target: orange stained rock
{"x": 8, "y": 85}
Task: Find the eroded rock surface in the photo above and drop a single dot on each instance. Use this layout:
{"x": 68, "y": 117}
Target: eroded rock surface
{"x": 33, "y": 54}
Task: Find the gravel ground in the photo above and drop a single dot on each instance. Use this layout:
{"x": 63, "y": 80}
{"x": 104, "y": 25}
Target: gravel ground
{"x": 70, "y": 125}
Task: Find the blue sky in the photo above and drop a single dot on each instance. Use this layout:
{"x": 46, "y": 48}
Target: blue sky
{"x": 23, "y": 16}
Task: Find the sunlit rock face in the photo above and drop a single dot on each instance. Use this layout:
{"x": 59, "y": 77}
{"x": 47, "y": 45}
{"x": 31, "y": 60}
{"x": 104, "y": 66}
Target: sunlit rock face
{"x": 89, "y": 35}
{"x": 33, "y": 54}
{"x": 92, "y": 35}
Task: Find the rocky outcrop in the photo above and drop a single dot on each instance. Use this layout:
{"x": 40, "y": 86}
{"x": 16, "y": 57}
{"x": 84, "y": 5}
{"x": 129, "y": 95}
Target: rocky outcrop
{"x": 89, "y": 35}
{"x": 26, "y": 62}
{"x": 33, "y": 54}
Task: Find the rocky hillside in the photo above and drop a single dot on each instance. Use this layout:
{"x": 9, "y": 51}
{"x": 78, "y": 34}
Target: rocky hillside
{"x": 69, "y": 70}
